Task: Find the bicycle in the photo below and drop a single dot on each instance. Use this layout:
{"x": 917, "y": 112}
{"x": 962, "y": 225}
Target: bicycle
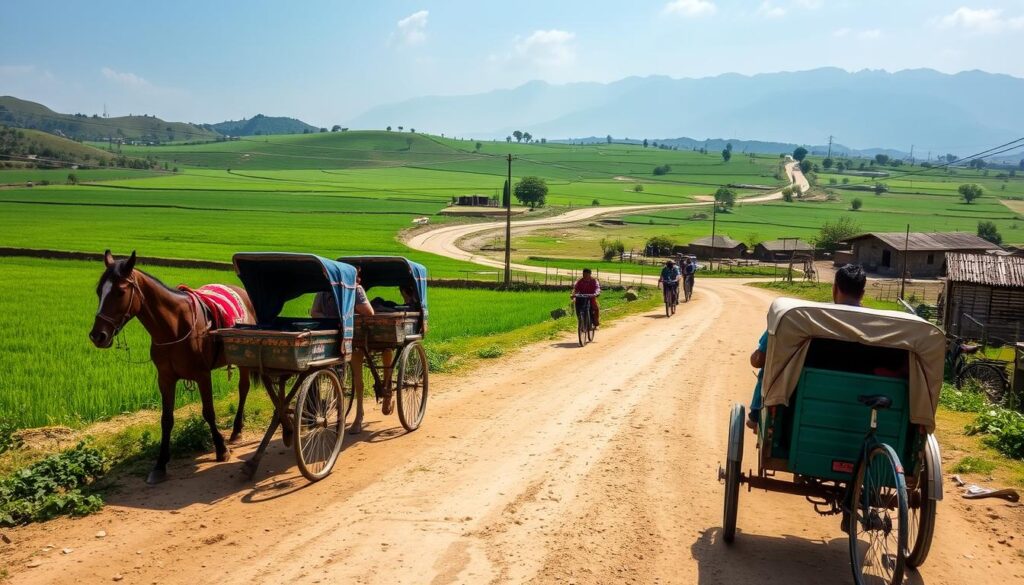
{"x": 989, "y": 375}
{"x": 687, "y": 287}
{"x": 585, "y": 328}
{"x": 671, "y": 294}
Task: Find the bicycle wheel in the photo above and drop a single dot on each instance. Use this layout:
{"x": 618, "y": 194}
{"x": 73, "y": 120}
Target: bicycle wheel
{"x": 319, "y": 424}
{"x": 688, "y": 290}
{"x": 878, "y": 519}
{"x": 413, "y": 385}
{"x": 667, "y": 295}
{"x": 731, "y": 473}
{"x": 989, "y": 378}
{"x": 591, "y": 328}
{"x": 581, "y": 327}
{"x": 921, "y": 508}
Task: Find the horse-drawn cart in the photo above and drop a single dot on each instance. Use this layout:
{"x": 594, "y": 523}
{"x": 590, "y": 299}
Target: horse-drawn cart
{"x": 849, "y": 409}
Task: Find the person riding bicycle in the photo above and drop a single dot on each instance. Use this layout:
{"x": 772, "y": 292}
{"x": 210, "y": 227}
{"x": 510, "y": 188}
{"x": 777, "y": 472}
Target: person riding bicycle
{"x": 588, "y": 285}
{"x": 670, "y": 276}
{"x": 689, "y": 269}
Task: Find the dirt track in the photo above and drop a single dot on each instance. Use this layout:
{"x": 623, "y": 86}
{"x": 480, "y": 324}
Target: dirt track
{"x": 554, "y": 465}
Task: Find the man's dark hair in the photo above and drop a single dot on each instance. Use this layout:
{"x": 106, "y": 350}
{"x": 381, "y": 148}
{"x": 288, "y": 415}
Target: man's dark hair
{"x": 586, "y": 271}
{"x": 850, "y": 280}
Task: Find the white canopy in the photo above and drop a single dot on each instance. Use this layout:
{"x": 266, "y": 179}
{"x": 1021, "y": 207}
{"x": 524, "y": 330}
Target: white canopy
{"x": 793, "y": 323}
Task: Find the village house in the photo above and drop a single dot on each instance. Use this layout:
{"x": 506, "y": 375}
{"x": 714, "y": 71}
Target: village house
{"x": 983, "y": 297}
{"x": 882, "y": 252}
{"x": 724, "y": 247}
{"x": 781, "y": 250}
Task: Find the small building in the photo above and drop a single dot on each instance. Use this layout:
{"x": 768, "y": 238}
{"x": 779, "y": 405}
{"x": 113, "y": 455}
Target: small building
{"x": 722, "y": 247}
{"x": 476, "y": 201}
{"x": 781, "y": 250}
{"x": 984, "y": 297}
{"x": 882, "y": 252}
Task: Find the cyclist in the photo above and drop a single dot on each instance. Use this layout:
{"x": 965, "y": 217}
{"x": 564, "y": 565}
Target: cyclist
{"x": 689, "y": 269}
{"x": 670, "y": 278}
{"x": 588, "y": 285}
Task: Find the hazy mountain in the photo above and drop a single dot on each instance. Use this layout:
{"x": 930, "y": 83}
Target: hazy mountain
{"x": 261, "y": 125}
{"x": 742, "y": 146}
{"x": 19, "y": 113}
{"x": 960, "y": 113}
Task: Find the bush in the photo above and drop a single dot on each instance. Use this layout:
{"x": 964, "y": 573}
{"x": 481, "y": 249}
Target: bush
{"x": 832, "y": 233}
{"x": 659, "y": 245}
{"x": 856, "y": 204}
{"x": 595, "y": 202}
{"x": 966, "y": 399}
{"x": 787, "y": 194}
{"x": 662, "y": 170}
{"x": 1004, "y": 429}
{"x": 8, "y": 440}
{"x": 52, "y": 487}
{"x": 439, "y": 360}
{"x": 490, "y": 352}
{"x": 638, "y": 188}
{"x": 190, "y": 436}
{"x": 611, "y": 248}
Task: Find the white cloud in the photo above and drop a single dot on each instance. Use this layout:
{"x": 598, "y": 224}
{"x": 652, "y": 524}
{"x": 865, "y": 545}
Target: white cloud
{"x": 548, "y": 48}
{"x": 864, "y": 35}
{"x": 869, "y": 34}
{"x": 691, "y": 8}
{"x": 980, "y": 20}
{"x": 769, "y": 10}
{"x": 841, "y": 32}
{"x": 412, "y": 30}
{"x": 125, "y": 79}
{"x": 810, "y": 4}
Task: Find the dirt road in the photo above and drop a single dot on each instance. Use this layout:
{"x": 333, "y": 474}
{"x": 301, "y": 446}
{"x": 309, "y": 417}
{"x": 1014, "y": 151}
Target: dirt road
{"x": 445, "y": 240}
{"x": 553, "y": 465}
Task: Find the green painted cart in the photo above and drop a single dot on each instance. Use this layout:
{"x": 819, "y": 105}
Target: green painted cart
{"x": 849, "y": 400}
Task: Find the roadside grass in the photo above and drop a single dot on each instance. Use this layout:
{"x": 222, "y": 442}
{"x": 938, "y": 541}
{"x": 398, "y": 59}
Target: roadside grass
{"x": 971, "y": 455}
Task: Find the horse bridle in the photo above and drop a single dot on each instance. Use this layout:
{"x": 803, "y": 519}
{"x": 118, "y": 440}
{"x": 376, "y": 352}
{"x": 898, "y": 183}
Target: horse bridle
{"x": 127, "y": 316}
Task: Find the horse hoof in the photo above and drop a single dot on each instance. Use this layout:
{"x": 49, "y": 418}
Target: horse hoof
{"x": 355, "y": 430}
{"x": 156, "y": 476}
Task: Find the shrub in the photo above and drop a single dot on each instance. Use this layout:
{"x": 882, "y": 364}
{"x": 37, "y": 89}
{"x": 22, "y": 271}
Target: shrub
{"x": 832, "y": 233}
{"x": 52, "y": 487}
{"x": 966, "y": 399}
{"x": 8, "y": 440}
{"x": 595, "y": 202}
{"x": 439, "y": 360}
{"x": 611, "y": 248}
{"x": 787, "y": 194}
{"x": 662, "y": 170}
{"x": 856, "y": 204}
{"x": 638, "y": 188}
{"x": 1004, "y": 429}
{"x": 659, "y": 245}
{"x": 987, "y": 230}
{"x": 490, "y": 352}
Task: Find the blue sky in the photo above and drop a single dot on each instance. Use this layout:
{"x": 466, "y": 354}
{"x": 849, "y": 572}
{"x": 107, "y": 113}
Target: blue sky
{"x": 326, "y": 62}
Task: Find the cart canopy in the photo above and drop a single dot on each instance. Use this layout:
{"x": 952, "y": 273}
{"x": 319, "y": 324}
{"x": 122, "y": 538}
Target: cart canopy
{"x": 274, "y": 278}
{"x": 392, "y": 271}
{"x": 793, "y": 323}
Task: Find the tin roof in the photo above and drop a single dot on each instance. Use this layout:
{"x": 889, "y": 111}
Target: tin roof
{"x": 786, "y": 245}
{"x": 720, "y": 242}
{"x": 989, "y": 269}
{"x": 928, "y": 242}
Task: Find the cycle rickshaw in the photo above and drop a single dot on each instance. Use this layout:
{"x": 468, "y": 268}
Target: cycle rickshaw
{"x": 849, "y": 399}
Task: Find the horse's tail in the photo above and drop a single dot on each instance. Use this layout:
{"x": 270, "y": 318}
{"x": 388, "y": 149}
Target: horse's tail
{"x": 254, "y": 378}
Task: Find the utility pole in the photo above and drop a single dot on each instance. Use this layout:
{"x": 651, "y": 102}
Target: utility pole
{"x": 829, "y": 147}
{"x": 714, "y": 217}
{"x": 911, "y": 155}
{"x": 903, "y": 273}
{"x": 508, "y": 225}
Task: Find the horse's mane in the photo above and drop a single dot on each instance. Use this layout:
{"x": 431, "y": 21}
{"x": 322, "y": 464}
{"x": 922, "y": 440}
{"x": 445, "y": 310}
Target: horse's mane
{"x": 118, "y": 270}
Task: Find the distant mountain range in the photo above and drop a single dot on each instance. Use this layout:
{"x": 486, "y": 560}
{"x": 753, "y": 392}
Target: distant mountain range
{"x": 741, "y": 146}
{"x": 261, "y": 125}
{"x": 960, "y": 113}
{"x": 19, "y": 113}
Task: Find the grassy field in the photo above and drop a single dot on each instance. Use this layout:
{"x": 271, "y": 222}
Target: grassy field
{"x": 53, "y": 375}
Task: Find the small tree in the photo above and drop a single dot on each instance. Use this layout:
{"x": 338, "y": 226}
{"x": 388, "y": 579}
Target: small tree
{"x": 72, "y": 179}
{"x": 532, "y": 191}
{"x": 527, "y": 136}
{"x": 832, "y": 233}
{"x": 881, "y": 188}
{"x": 611, "y": 248}
{"x": 840, "y": 166}
{"x": 413, "y": 130}
{"x": 508, "y": 139}
{"x": 856, "y": 204}
{"x": 479, "y": 145}
{"x": 725, "y": 198}
{"x": 336, "y": 128}
{"x": 518, "y": 135}
{"x": 800, "y": 153}
{"x": 827, "y": 163}
{"x": 881, "y": 159}
{"x": 970, "y": 191}
{"x": 787, "y": 194}
{"x": 987, "y": 231}
{"x": 662, "y": 170}
{"x": 638, "y": 188}
{"x": 608, "y": 139}
{"x": 805, "y": 166}
{"x": 726, "y": 154}
{"x": 659, "y": 246}
{"x": 323, "y": 129}
{"x": 388, "y": 128}
{"x": 846, "y": 180}
{"x": 645, "y": 143}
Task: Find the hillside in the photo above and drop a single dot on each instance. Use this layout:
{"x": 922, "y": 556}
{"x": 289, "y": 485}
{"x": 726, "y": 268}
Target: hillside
{"x": 260, "y": 125}
{"x": 21, "y": 147}
{"x": 30, "y": 115}
{"x": 865, "y": 109}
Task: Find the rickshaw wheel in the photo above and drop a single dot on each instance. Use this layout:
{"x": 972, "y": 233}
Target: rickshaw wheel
{"x": 733, "y": 460}
{"x": 319, "y": 424}
{"x": 413, "y": 385}
{"x": 921, "y": 526}
{"x": 878, "y": 518}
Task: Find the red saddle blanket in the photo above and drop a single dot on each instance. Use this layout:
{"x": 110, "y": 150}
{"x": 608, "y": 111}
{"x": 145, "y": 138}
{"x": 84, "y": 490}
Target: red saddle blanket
{"x": 224, "y": 304}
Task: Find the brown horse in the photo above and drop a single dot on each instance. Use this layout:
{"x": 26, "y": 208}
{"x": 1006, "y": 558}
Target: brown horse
{"x": 181, "y": 348}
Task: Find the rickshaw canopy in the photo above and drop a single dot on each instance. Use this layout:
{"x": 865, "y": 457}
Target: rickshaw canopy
{"x": 392, "y": 271}
{"x": 793, "y": 323}
{"x": 274, "y": 278}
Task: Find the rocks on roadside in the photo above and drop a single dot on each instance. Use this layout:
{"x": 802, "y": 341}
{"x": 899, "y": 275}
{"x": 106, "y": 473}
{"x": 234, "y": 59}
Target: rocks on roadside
{"x": 630, "y": 295}
{"x": 101, "y": 534}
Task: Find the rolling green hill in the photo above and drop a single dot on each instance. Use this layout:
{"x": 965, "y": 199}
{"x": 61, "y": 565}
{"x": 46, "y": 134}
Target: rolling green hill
{"x": 30, "y": 115}
{"x": 18, "y": 147}
{"x": 260, "y": 125}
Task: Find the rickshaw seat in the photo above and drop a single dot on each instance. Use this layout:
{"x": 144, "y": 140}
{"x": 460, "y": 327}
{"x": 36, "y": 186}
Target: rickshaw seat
{"x": 876, "y": 401}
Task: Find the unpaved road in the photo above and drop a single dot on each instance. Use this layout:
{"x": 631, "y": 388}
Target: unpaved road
{"x": 444, "y": 240}
{"x": 552, "y": 465}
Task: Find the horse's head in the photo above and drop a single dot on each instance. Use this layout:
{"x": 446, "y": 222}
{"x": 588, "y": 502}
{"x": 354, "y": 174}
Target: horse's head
{"x": 120, "y": 299}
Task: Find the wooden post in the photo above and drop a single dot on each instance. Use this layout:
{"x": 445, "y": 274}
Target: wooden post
{"x": 903, "y": 273}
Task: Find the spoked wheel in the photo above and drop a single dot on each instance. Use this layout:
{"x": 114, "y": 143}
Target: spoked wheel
{"x": 591, "y": 329}
{"x": 668, "y": 302}
{"x": 413, "y": 385}
{"x": 583, "y": 326}
{"x": 878, "y": 519}
{"x": 319, "y": 424}
{"x": 922, "y": 509}
{"x": 989, "y": 379}
{"x": 731, "y": 473}
{"x": 688, "y": 291}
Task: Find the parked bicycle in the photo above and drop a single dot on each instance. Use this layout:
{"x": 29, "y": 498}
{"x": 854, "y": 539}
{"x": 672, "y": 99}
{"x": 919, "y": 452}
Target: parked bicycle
{"x": 988, "y": 374}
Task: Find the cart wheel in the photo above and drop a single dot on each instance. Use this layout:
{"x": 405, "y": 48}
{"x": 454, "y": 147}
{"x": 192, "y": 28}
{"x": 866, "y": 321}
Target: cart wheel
{"x": 731, "y": 474}
{"x": 922, "y": 509}
{"x": 878, "y": 519}
{"x": 413, "y": 385}
{"x": 319, "y": 424}
{"x": 988, "y": 378}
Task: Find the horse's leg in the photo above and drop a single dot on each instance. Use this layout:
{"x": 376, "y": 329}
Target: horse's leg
{"x": 357, "y": 391}
{"x": 167, "y": 386}
{"x": 243, "y": 392}
{"x": 206, "y": 394}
